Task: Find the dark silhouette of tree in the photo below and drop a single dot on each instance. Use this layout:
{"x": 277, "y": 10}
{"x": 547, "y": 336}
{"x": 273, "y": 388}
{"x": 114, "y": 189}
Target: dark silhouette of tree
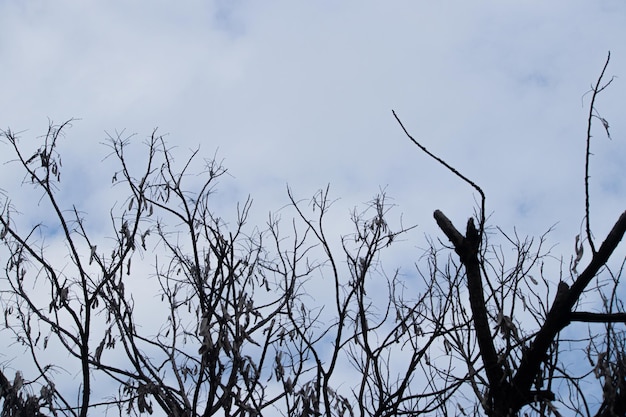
{"x": 237, "y": 331}
{"x": 521, "y": 369}
{"x": 179, "y": 310}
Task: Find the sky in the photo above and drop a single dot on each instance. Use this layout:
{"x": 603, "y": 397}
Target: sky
{"x": 300, "y": 94}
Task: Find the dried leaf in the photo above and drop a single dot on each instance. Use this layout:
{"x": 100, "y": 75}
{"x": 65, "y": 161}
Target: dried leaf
{"x": 99, "y": 350}
{"x": 18, "y": 381}
{"x": 605, "y": 124}
{"x": 93, "y": 253}
{"x": 578, "y": 247}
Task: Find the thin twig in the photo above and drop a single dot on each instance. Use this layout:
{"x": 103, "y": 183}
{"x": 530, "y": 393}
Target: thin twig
{"x": 453, "y": 170}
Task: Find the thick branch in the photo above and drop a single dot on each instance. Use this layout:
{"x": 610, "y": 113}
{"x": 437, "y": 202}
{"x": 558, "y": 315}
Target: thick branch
{"x": 560, "y": 313}
{"x": 599, "y": 259}
{"x": 598, "y": 317}
{"x": 467, "y": 249}
{"x": 448, "y": 229}
{"x": 5, "y": 385}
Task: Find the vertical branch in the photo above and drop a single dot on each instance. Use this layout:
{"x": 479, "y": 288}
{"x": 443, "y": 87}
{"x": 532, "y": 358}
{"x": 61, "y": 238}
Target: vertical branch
{"x": 467, "y": 249}
{"x": 597, "y": 89}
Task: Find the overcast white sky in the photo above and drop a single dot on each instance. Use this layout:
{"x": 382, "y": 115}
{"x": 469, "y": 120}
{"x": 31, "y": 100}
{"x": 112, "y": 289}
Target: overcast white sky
{"x": 301, "y": 93}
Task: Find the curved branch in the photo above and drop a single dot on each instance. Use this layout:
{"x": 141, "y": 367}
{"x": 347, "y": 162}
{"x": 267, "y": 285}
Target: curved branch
{"x": 453, "y": 170}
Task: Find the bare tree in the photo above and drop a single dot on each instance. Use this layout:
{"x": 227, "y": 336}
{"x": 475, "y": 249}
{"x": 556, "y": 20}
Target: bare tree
{"x": 199, "y": 358}
{"x": 179, "y": 310}
{"x": 511, "y": 367}
{"x": 237, "y": 332}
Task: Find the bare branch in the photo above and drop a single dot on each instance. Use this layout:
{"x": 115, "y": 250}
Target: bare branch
{"x": 451, "y": 169}
{"x": 597, "y": 89}
{"x": 598, "y": 317}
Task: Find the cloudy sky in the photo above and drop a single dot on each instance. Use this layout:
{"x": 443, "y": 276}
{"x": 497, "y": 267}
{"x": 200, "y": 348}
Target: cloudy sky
{"x": 302, "y": 93}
